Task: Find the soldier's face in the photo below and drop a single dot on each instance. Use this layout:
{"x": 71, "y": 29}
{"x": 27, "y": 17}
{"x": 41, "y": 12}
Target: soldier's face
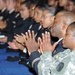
{"x": 51, "y": 2}
{"x": 10, "y": 4}
{"x": 62, "y": 2}
{"x": 2, "y": 3}
{"x": 69, "y": 40}
{"x": 32, "y": 6}
{"x": 70, "y": 6}
{"x": 57, "y": 28}
{"x": 47, "y": 19}
{"x": 37, "y": 15}
{"x": 24, "y": 11}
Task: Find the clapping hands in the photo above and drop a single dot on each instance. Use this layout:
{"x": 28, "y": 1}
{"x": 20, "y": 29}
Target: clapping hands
{"x": 45, "y": 43}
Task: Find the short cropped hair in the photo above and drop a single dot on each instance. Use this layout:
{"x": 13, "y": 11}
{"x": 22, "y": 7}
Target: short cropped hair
{"x": 67, "y": 16}
{"x": 27, "y": 3}
{"x": 42, "y": 7}
{"x": 72, "y": 27}
{"x": 51, "y": 10}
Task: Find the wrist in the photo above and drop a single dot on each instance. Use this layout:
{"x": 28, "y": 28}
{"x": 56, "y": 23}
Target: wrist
{"x": 22, "y": 48}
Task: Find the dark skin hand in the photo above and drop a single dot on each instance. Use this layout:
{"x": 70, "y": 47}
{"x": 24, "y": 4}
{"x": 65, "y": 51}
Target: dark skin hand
{"x": 19, "y": 38}
{"x": 45, "y": 43}
{"x": 30, "y": 42}
{"x": 16, "y": 45}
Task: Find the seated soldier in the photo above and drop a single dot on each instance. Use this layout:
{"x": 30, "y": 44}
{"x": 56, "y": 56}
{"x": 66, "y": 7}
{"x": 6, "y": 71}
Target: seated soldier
{"x": 37, "y": 17}
{"x": 3, "y": 14}
{"x": 40, "y": 10}
{"x": 48, "y": 15}
{"x": 62, "y": 3}
{"x": 23, "y": 28}
{"x": 10, "y": 6}
{"x": 70, "y": 5}
{"x": 36, "y": 27}
{"x": 59, "y": 27}
{"x": 64, "y": 62}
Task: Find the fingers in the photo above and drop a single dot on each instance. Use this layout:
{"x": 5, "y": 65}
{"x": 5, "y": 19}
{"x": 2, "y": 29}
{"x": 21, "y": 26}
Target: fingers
{"x": 48, "y": 38}
{"x": 33, "y": 36}
{"x": 43, "y": 38}
{"x": 39, "y": 41}
{"x": 24, "y": 36}
{"x": 9, "y": 43}
{"x": 12, "y": 45}
{"x": 18, "y": 35}
{"x": 29, "y": 33}
{"x": 40, "y": 45}
{"x": 16, "y": 43}
{"x": 27, "y": 36}
{"x": 15, "y": 37}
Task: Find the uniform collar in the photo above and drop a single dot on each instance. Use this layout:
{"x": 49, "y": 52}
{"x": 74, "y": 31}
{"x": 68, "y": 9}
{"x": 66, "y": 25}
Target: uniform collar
{"x": 3, "y": 9}
{"x": 11, "y": 11}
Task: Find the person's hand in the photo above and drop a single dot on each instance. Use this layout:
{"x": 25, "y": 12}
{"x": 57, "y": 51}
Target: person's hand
{"x": 30, "y": 42}
{"x": 19, "y": 38}
{"x": 4, "y": 39}
{"x": 19, "y": 46}
{"x": 3, "y": 24}
{"x": 45, "y": 43}
{"x": 12, "y": 45}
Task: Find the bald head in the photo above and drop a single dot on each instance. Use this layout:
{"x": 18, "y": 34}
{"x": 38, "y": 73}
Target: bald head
{"x": 67, "y": 17}
{"x": 62, "y": 20}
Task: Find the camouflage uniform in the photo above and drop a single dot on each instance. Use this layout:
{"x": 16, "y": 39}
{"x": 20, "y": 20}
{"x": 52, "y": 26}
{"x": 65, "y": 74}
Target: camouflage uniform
{"x": 61, "y": 64}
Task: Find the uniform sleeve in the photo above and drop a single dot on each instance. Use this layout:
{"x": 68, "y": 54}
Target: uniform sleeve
{"x": 44, "y": 64}
{"x": 34, "y": 60}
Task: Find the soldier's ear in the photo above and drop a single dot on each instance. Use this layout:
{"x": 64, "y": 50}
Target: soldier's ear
{"x": 64, "y": 26}
{"x": 53, "y": 17}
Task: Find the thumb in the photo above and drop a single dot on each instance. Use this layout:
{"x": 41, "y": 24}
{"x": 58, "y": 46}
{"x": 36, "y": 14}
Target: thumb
{"x": 40, "y": 43}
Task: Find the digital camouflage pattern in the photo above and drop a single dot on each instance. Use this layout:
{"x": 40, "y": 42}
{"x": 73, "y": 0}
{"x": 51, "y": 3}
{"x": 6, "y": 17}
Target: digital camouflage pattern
{"x": 61, "y": 64}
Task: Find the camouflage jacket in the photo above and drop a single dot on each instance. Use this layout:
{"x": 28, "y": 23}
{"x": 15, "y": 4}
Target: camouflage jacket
{"x": 61, "y": 64}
